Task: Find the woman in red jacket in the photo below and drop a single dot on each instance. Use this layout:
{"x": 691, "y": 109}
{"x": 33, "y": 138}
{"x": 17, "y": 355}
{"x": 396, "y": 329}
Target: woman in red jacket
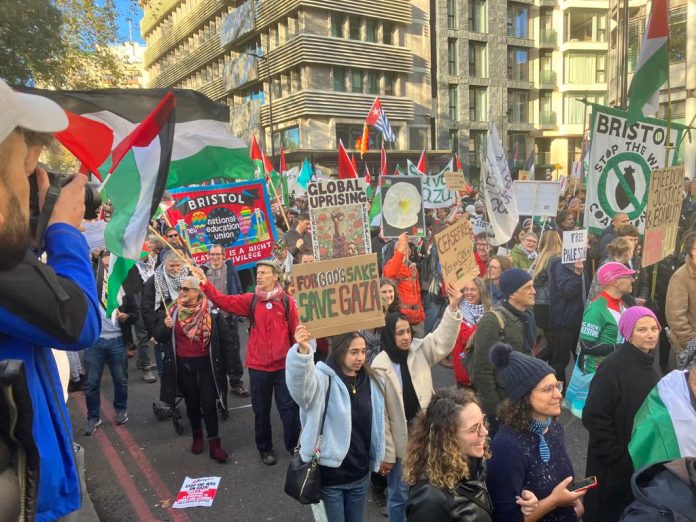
{"x": 476, "y": 301}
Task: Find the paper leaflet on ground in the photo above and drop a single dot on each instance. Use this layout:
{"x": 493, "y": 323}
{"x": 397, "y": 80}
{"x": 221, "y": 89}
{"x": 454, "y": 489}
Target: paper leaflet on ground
{"x": 197, "y": 492}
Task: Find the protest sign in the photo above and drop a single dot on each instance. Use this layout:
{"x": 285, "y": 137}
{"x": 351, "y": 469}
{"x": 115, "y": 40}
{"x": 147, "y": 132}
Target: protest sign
{"x": 402, "y": 206}
{"x": 456, "y": 254}
{"x": 537, "y": 198}
{"x": 338, "y": 216}
{"x": 455, "y": 181}
{"x": 574, "y": 246}
{"x": 197, "y": 492}
{"x": 436, "y": 194}
{"x": 237, "y": 216}
{"x": 522, "y": 175}
{"x": 621, "y": 159}
{"x": 339, "y": 295}
{"x": 94, "y": 234}
{"x": 478, "y": 224}
{"x": 662, "y": 214}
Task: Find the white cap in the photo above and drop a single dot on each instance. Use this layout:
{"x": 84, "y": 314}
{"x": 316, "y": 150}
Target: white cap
{"x": 471, "y": 209}
{"x": 29, "y": 111}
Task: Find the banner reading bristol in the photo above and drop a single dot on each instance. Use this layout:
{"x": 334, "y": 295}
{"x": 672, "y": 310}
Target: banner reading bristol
{"x": 620, "y": 161}
{"x": 236, "y": 216}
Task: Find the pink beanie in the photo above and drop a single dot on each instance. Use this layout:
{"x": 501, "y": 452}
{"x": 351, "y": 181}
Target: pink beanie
{"x": 631, "y": 316}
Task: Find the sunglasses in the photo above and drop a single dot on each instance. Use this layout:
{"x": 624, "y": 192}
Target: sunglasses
{"x": 172, "y": 236}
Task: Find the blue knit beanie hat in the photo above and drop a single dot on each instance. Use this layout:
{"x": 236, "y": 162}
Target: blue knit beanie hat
{"x": 512, "y": 280}
{"x": 519, "y": 372}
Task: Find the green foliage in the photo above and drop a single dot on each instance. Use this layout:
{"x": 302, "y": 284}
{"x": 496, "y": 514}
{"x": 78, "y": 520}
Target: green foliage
{"x": 58, "y": 43}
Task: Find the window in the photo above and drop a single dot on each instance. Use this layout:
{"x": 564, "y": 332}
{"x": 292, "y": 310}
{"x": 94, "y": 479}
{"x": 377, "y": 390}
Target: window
{"x": 371, "y": 30}
{"x": 349, "y": 135}
{"x": 452, "y": 57}
{"x": 518, "y": 106}
{"x": 339, "y": 78}
{"x": 337, "y": 25}
{"x": 389, "y": 83}
{"x": 387, "y": 33}
{"x": 453, "y": 104}
{"x": 585, "y": 68}
{"x": 517, "y": 144}
{"x": 453, "y": 140}
{"x": 518, "y": 64}
{"x": 477, "y": 16}
{"x": 372, "y": 82}
{"x": 417, "y": 138}
{"x": 356, "y": 81}
{"x": 477, "y": 103}
{"x": 518, "y": 21}
{"x": 477, "y": 144}
{"x": 451, "y": 14}
{"x": 677, "y": 34}
{"x": 546, "y": 114}
{"x": 574, "y": 110}
{"x": 354, "y": 28}
{"x": 288, "y": 138}
{"x": 478, "y": 66}
{"x": 585, "y": 26}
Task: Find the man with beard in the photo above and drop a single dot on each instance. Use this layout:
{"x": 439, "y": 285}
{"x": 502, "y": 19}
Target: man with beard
{"x": 41, "y": 306}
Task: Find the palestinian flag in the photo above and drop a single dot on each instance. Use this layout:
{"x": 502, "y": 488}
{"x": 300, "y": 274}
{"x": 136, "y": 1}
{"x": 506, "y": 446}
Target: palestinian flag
{"x": 663, "y": 428}
{"x": 256, "y": 157}
{"x": 136, "y": 179}
{"x": 375, "y": 215}
{"x": 204, "y": 146}
{"x": 653, "y": 64}
{"x": 112, "y": 289}
{"x": 284, "y": 178}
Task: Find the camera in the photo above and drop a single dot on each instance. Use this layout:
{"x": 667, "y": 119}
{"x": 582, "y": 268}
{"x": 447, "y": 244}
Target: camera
{"x": 38, "y": 217}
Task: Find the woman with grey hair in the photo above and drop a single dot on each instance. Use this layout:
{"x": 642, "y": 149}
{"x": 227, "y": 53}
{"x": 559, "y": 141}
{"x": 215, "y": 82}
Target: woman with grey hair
{"x": 197, "y": 358}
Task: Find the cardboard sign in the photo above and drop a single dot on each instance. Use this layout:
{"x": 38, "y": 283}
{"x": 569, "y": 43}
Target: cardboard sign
{"x": 574, "y": 246}
{"x": 537, "y": 198}
{"x": 338, "y": 214}
{"x": 339, "y": 295}
{"x": 197, "y": 492}
{"x": 456, "y": 254}
{"x": 662, "y": 214}
{"x": 522, "y": 175}
{"x": 402, "y": 206}
{"x": 455, "y": 181}
{"x": 237, "y": 216}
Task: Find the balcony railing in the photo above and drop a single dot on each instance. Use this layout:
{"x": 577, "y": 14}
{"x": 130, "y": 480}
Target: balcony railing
{"x": 548, "y": 38}
{"x": 547, "y": 118}
{"x": 547, "y": 77}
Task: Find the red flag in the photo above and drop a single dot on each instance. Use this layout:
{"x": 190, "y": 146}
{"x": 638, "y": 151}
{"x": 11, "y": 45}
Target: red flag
{"x": 457, "y": 163}
{"x": 383, "y": 162}
{"x": 90, "y": 141}
{"x": 267, "y": 165}
{"x": 283, "y": 165}
{"x": 423, "y": 163}
{"x": 368, "y": 178}
{"x": 355, "y": 164}
{"x": 346, "y": 167}
{"x": 254, "y": 150}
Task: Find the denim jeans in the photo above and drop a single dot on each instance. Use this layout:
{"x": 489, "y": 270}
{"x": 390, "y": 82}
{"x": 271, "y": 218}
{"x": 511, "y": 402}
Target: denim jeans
{"x": 263, "y": 385}
{"x": 347, "y": 502}
{"x": 142, "y": 343}
{"x": 397, "y": 493}
{"x": 111, "y": 352}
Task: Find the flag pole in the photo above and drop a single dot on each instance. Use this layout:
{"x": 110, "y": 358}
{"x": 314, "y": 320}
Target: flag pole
{"x": 186, "y": 261}
{"x": 269, "y": 181}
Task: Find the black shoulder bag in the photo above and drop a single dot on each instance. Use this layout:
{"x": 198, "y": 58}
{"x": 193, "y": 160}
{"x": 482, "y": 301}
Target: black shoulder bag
{"x": 303, "y": 479}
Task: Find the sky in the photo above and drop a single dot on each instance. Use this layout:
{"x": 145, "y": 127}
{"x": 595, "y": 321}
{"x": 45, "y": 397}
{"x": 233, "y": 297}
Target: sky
{"x": 129, "y": 9}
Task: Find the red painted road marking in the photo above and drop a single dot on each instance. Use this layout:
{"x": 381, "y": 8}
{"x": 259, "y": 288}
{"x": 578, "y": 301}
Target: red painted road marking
{"x": 151, "y": 476}
{"x": 129, "y": 488}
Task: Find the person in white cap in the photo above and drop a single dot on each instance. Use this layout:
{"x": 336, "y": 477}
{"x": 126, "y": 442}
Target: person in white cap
{"x": 42, "y": 306}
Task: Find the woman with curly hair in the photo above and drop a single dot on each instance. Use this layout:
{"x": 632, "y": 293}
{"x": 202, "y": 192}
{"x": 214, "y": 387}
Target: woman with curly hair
{"x": 529, "y": 449}
{"x": 445, "y": 463}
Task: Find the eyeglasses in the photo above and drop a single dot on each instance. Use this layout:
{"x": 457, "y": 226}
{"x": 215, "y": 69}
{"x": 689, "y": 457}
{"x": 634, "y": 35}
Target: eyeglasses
{"x": 476, "y": 429}
{"x": 214, "y": 255}
{"x": 549, "y": 388}
{"x": 185, "y": 289}
{"x": 174, "y": 236}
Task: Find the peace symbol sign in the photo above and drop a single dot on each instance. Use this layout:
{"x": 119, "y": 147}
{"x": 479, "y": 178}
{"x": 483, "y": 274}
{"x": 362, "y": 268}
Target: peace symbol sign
{"x": 623, "y": 185}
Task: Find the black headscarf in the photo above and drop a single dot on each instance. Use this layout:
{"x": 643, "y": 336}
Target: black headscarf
{"x": 399, "y": 356}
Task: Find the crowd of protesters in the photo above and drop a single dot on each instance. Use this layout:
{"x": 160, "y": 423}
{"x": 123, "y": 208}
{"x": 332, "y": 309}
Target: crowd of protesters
{"x": 491, "y": 448}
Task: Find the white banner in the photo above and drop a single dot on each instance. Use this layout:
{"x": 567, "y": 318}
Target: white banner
{"x": 435, "y": 192}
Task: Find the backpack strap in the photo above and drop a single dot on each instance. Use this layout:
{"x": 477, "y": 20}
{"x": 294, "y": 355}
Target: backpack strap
{"x": 501, "y": 323}
{"x": 252, "y": 308}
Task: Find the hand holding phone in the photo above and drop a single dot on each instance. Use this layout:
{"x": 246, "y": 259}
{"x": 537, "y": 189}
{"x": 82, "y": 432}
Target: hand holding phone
{"x": 583, "y": 484}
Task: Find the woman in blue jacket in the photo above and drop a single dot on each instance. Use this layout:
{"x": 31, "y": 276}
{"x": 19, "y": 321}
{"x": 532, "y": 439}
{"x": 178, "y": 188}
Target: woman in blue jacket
{"x": 353, "y": 440}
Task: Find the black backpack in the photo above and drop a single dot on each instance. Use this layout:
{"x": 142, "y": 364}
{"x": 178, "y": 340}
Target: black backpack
{"x": 255, "y": 299}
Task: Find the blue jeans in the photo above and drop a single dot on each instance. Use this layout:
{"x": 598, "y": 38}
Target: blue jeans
{"x": 347, "y": 502}
{"x": 113, "y": 353}
{"x": 397, "y": 493}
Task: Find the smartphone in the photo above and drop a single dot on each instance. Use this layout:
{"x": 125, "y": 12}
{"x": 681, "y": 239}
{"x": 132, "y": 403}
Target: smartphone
{"x": 584, "y": 484}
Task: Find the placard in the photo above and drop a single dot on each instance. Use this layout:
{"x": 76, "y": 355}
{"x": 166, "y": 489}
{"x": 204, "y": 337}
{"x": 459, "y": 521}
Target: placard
{"x": 339, "y": 295}
{"x": 574, "y": 246}
{"x": 522, "y": 175}
{"x": 456, "y": 254}
{"x": 338, "y": 215}
{"x": 197, "y": 492}
{"x": 237, "y": 216}
{"x": 537, "y": 198}
{"x": 662, "y": 214}
{"x": 455, "y": 181}
{"x": 478, "y": 224}
{"x": 94, "y": 234}
{"x": 402, "y": 206}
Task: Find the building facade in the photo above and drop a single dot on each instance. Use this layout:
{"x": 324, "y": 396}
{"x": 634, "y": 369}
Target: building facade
{"x": 528, "y": 62}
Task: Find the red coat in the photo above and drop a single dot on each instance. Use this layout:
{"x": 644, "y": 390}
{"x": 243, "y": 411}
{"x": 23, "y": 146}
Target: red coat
{"x": 460, "y": 373}
{"x": 483, "y": 265}
{"x": 271, "y": 337}
{"x": 408, "y": 286}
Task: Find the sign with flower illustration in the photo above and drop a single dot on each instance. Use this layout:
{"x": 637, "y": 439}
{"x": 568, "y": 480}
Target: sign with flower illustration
{"x": 402, "y": 206}
{"x": 338, "y": 216}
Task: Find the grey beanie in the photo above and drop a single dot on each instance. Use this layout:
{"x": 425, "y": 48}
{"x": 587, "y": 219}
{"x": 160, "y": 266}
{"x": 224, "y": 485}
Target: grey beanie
{"x": 520, "y": 373}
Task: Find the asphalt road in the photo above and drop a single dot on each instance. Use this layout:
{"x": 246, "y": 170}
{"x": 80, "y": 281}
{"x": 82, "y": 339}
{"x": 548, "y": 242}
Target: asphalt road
{"x": 135, "y": 471}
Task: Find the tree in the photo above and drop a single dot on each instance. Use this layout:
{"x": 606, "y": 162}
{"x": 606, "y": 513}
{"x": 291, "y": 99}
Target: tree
{"x": 58, "y": 43}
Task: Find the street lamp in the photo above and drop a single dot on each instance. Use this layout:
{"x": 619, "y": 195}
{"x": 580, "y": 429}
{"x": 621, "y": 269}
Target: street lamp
{"x": 264, "y": 58}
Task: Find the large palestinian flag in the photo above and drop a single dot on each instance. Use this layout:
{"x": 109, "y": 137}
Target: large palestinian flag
{"x": 204, "y": 147}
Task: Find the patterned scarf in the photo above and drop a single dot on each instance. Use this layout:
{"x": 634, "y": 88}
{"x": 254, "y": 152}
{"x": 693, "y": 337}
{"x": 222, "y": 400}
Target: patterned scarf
{"x": 195, "y": 321}
{"x": 539, "y": 427}
{"x": 267, "y": 296}
{"x": 470, "y": 312}
{"x": 167, "y": 286}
